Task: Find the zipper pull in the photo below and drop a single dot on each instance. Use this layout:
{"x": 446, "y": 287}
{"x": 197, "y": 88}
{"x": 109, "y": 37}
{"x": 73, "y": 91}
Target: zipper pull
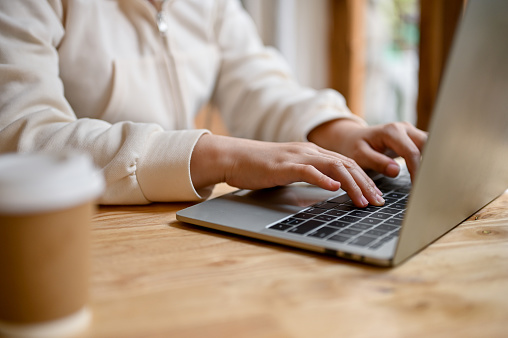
{"x": 162, "y": 22}
{"x": 161, "y": 18}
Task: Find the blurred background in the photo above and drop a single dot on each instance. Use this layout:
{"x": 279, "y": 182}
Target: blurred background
{"x": 300, "y": 30}
{"x": 385, "y": 56}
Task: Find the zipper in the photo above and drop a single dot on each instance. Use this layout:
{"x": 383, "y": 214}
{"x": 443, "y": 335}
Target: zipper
{"x": 160, "y": 18}
{"x": 162, "y": 21}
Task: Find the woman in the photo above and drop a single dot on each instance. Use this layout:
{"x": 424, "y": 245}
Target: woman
{"x": 124, "y": 79}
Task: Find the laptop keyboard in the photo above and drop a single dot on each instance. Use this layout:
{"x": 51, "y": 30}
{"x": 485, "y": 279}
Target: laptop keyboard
{"x": 339, "y": 220}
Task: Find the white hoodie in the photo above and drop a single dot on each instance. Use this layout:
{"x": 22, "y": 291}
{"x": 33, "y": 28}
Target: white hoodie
{"x": 99, "y": 76}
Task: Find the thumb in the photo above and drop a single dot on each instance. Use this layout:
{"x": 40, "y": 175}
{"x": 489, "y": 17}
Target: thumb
{"x": 372, "y": 159}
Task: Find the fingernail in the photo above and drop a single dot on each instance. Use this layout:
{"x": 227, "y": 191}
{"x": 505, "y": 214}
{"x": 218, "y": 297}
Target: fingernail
{"x": 380, "y": 200}
{"x": 364, "y": 201}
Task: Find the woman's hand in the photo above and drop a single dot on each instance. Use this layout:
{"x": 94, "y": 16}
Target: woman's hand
{"x": 369, "y": 146}
{"x": 252, "y": 164}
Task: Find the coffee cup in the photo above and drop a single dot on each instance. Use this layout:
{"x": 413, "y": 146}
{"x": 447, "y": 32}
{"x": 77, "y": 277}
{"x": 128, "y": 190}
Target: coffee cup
{"x": 46, "y": 205}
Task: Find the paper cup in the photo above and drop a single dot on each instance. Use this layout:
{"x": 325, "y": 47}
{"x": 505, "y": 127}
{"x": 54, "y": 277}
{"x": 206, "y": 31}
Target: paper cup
{"x": 46, "y": 205}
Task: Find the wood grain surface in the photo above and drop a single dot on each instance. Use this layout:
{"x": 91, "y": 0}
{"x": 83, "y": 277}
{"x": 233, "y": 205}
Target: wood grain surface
{"x": 153, "y": 276}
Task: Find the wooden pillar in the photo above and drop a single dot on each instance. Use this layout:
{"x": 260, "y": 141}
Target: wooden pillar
{"x": 347, "y": 50}
{"x": 438, "y": 20}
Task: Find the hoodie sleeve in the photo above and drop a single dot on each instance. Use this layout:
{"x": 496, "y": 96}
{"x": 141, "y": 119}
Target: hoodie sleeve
{"x": 256, "y": 92}
{"x": 140, "y": 161}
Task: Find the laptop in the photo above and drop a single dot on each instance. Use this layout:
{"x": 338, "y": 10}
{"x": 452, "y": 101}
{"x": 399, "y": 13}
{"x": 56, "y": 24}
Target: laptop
{"x": 464, "y": 167}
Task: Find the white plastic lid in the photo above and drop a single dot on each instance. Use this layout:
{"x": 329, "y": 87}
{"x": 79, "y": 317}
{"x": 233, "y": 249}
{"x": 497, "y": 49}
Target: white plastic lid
{"x": 67, "y": 326}
{"x": 31, "y": 183}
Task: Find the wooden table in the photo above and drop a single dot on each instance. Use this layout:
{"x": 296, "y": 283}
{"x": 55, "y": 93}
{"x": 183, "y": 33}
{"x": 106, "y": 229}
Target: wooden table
{"x": 153, "y": 276}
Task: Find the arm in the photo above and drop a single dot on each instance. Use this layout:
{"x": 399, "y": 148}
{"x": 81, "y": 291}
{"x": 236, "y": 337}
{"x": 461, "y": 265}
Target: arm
{"x": 259, "y": 99}
{"x": 137, "y": 159}
{"x": 253, "y": 164}
{"x": 256, "y": 92}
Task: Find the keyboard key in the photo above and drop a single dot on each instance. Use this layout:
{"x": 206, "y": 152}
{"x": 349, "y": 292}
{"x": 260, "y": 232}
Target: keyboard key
{"x": 338, "y": 224}
{"x": 313, "y": 211}
{"x": 391, "y": 211}
{"x": 292, "y": 221}
{"x": 376, "y": 232}
{"x": 362, "y": 240}
{"x": 372, "y": 208}
{"x": 304, "y": 215}
{"x": 323, "y": 232}
{"x": 380, "y": 215}
{"x": 359, "y": 213}
{"x": 396, "y": 195}
{"x": 371, "y": 221}
{"x": 387, "y": 227}
{"x": 306, "y": 227}
{"x": 397, "y": 205}
{"x": 399, "y": 216}
{"x": 325, "y": 218}
{"x": 336, "y": 213}
{"x": 390, "y": 200}
{"x": 349, "y": 232}
{"x": 361, "y": 226}
{"x": 339, "y": 238}
{"x": 280, "y": 226}
{"x": 394, "y": 221}
{"x": 350, "y": 219}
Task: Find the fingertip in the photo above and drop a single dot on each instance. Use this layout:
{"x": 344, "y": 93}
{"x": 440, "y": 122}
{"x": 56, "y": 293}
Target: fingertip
{"x": 334, "y": 185}
{"x": 328, "y": 183}
{"x": 362, "y": 202}
{"x": 378, "y": 201}
{"x": 392, "y": 170}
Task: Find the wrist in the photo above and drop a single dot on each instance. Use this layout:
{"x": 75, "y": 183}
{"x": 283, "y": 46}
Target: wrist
{"x": 331, "y": 135}
{"x": 206, "y": 165}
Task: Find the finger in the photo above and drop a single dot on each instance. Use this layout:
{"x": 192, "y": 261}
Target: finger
{"x": 403, "y": 145}
{"x": 331, "y": 166}
{"x": 349, "y": 184}
{"x": 359, "y": 186}
{"x": 418, "y": 136}
{"x": 364, "y": 182}
{"x": 310, "y": 174}
{"x": 377, "y": 161}
{"x": 367, "y": 186}
{"x": 361, "y": 175}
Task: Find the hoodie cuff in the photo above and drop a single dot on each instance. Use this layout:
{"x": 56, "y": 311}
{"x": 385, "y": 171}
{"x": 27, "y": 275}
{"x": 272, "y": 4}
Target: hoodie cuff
{"x": 163, "y": 172}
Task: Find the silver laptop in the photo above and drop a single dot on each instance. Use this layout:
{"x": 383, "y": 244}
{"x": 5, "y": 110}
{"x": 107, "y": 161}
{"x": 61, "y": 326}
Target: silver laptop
{"x": 464, "y": 167}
